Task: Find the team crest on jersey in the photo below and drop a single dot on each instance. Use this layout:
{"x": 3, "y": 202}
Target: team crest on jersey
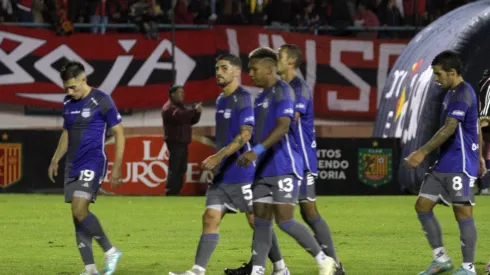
{"x": 375, "y": 165}
{"x": 227, "y": 113}
{"x": 86, "y": 112}
{"x": 10, "y": 163}
{"x": 265, "y": 104}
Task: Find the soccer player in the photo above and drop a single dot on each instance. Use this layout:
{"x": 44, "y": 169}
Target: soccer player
{"x": 279, "y": 164}
{"x": 484, "y": 85}
{"x": 87, "y": 113}
{"x": 452, "y": 177}
{"x": 231, "y": 187}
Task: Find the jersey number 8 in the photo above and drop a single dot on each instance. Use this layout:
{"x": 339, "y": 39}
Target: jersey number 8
{"x": 247, "y": 192}
{"x": 87, "y": 175}
{"x": 457, "y": 183}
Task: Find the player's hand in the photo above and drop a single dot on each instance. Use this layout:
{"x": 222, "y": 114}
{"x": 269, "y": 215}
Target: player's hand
{"x": 246, "y": 159}
{"x": 53, "y": 170}
{"x": 211, "y": 162}
{"x": 198, "y": 107}
{"x": 483, "y": 167}
{"x": 116, "y": 178}
{"x": 414, "y": 159}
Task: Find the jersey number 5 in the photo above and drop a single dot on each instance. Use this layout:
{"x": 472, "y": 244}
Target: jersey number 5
{"x": 87, "y": 175}
{"x": 247, "y": 192}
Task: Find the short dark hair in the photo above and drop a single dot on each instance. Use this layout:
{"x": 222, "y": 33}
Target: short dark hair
{"x": 233, "y": 59}
{"x": 449, "y": 60}
{"x": 71, "y": 69}
{"x": 174, "y": 88}
{"x": 263, "y": 53}
{"x": 295, "y": 52}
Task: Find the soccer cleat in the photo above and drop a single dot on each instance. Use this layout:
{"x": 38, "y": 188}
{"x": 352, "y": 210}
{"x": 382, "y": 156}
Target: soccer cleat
{"x": 110, "y": 262}
{"x": 340, "y": 270}
{"x": 437, "y": 267}
{"x": 463, "y": 271}
{"x": 189, "y": 272}
{"x": 86, "y": 272}
{"x": 487, "y": 270}
{"x": 245, "y": 269}
{"x": 328, "y": 268}
{"x": 284, "y": 271}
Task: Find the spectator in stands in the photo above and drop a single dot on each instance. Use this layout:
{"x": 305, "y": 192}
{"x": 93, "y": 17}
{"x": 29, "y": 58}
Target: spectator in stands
{"x": 177, "y": 124}
{"x": 6, "y": 11}
{"x": 143, "y": 14}
{"x": 309, "y": 16}
{"x": 365, "y": 17}
{"x": 182, "y": 13}
{"x": 389, "y": 15}
{"x": 281, "y": 12}
{"x": 336, "y": 13}
{"x": 24, "y": 11}
{"x": 98, "y": 15}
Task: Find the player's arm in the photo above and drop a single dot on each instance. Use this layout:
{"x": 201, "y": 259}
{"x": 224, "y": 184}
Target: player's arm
{"x": 441, "y": 136}
{"x": 281, "y": 129}
{"x": 62, "y": 147}
{"x": 302, "y": 97}
{"x": 176, "y": 115}
{"x": 119, "y": 145}
{"x": 238, "y": 142}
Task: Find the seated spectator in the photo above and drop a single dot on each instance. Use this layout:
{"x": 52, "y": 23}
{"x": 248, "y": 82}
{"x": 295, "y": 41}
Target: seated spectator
{"x": 365, "y": 17}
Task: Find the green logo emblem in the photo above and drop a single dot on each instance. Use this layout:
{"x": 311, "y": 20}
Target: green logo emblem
{"x": 374, "y": 165}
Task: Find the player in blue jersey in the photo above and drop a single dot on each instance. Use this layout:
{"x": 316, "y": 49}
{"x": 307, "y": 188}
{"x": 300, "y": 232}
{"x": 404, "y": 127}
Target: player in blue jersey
{"x": 452, "y": 177}
{"x": 87, "y": 113}
{"x": 289, "y": 59}
{"x": 279, "y": 164}
{"x": 231, "y": 188}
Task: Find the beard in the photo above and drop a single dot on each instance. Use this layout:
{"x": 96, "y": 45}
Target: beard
{"x": 223, "y": 83}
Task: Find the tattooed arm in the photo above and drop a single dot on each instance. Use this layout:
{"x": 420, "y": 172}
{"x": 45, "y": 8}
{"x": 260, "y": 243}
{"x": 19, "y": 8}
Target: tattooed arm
{"x": 441, "y": 136}
{"x": 238, "y": 142}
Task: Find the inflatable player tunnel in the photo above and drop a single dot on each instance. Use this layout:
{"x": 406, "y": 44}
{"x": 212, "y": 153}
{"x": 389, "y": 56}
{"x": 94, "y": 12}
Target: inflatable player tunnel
{"x": 410, "y": 100}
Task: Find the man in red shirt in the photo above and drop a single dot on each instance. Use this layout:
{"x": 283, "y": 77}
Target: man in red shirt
{"x": 177, "y": 122}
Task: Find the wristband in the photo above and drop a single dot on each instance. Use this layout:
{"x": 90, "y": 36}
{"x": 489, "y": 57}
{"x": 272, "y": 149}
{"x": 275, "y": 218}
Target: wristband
{"x": 258, "y": 149}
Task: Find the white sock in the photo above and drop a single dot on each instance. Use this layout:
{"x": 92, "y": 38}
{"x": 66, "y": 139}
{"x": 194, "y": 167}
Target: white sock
{"x": 110, "y": 251}
{"x": 200, "y": 268}
{"x": 439, "y": 254}
{"x": 279, "y": 265}
{"x": 321, "y": 258}
{"x": 469, "y": 266}
{"x": 91, "y": 268}
{"x": 257, "y": 270}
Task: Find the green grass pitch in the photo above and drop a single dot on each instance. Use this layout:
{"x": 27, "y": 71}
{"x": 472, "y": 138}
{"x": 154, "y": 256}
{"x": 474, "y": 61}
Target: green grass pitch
{"x": 373, "y": 235}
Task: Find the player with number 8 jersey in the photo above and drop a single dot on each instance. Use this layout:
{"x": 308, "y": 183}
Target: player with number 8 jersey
{"x": 452, "y": 177}
{"x": 87, "y": 113}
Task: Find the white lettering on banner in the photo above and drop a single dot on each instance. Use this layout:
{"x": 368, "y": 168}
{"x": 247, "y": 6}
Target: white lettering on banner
{"x": 367, "y": 50}
{"x": 277, "y": 41}
{"x": 184, "y": 65}
{"x": 385, "y": 51}
{"x": 331, "y": 165}
{"x": 152, "y": 169}
{"x": 27, "y": 46}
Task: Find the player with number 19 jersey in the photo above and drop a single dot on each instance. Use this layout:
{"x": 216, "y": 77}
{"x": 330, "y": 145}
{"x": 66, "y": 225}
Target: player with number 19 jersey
{"x": 86, "y": 121}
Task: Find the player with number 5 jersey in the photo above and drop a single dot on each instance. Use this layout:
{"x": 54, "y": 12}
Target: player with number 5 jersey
{"x": 452, "y": 177}
{"x": 87, "y": 113}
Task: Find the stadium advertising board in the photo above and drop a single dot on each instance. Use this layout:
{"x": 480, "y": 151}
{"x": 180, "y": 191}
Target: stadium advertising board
{"x": 361, "y": 166}
{"x": 345, "y": 166}
{"x": 124, "y": 65}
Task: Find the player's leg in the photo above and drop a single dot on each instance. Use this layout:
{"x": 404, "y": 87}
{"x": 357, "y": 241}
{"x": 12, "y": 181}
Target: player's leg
{"x": 84, "y": 193}
{"x": 310, "y": 214}
{"x": 263, "y": 233}
{"x": 285, "y": 195}
{"x": 459, "y": 187}
{"x": 431, "y": 193}
{"x": 485, "y": 181}
{"x": 216, "y": 201}
{"x": 177, "y": 168}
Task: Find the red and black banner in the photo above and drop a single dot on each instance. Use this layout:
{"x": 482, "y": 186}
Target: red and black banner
{"x": 344, "y": 73}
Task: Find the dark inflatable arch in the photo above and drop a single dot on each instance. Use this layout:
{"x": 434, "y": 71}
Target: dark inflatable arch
{"x": 410, "y": 101}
